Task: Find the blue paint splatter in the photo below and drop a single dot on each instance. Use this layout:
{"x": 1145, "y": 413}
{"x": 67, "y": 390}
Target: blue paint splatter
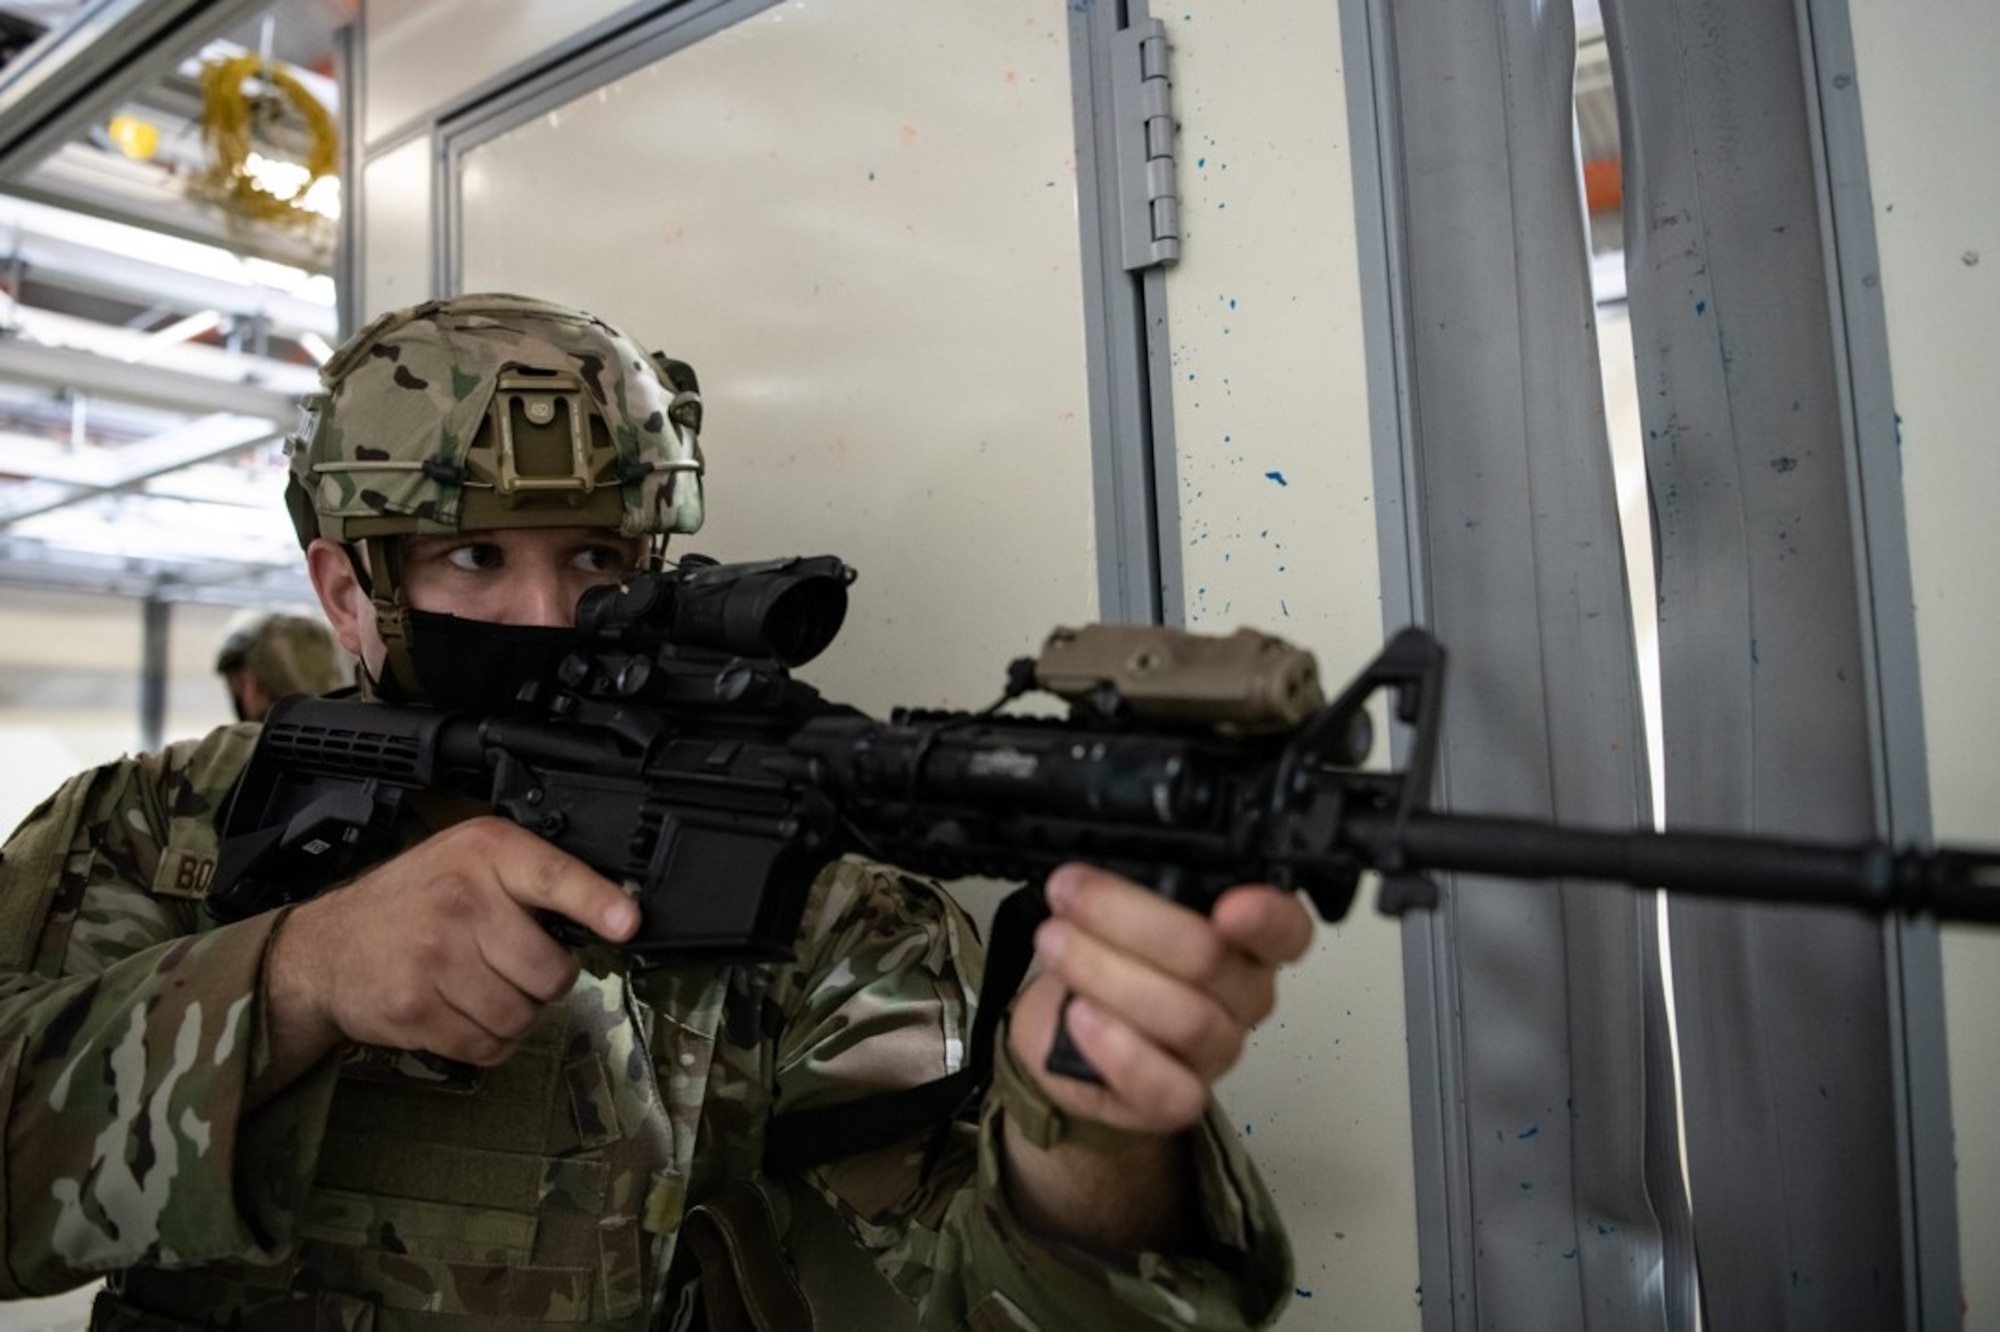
{"x": 1301, "y": 1292}
{"x": 1201, "y": 161}
{"x": 1701, "y": 307}
{"x": 1275, "y": 475}
{"x": 1529, "y": 1132}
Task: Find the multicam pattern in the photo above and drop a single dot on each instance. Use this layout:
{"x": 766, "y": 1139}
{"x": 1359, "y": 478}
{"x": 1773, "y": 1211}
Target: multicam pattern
{"x": 405, "y": 399}
{"x": 553, "y": 1191}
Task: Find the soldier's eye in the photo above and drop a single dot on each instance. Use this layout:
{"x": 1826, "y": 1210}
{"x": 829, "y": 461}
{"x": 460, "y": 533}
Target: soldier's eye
{"x": 475, "y": 556}
{"x": 603, "y": 559}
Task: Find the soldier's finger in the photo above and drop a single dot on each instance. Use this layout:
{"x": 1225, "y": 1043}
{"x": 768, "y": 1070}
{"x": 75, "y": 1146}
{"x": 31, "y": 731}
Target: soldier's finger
{"x": 453, "y": 1035}
{"x": 516, "y": 949}
{"x": 1268, "y": 923}
{"x": 542, "y": 877}
{"x": 490, "y": 1002}
{"x": 1196, "y": 1024}
{"x": 1147, "y": 1090}
{"x": 1172, "y": 937}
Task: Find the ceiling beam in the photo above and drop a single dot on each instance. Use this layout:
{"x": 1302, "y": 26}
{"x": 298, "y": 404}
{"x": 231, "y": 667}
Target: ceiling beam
{"x": 61, "y": 368}
{"x": 83, "y": 179}
{"x": 43, "y": 566}
{"x": 26, "y": 238}
{"x": 58, "y": 486}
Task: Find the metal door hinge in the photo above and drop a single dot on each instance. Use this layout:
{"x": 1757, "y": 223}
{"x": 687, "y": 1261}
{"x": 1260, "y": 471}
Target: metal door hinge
{"x": 1148, "y": 192}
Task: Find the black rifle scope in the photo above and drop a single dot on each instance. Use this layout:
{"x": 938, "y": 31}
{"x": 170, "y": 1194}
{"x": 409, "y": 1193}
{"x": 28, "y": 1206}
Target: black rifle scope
{"x": 785, "y": 610}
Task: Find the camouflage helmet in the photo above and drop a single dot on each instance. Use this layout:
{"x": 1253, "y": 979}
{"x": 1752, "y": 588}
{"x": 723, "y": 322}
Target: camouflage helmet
{"x": 492, "y": 411}
{"x": 482, "y": 412}
{"x": 286, "y": 653}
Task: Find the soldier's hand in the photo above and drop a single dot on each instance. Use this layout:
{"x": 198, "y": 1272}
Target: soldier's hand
{"x": 438, "y": 949}
{"x": 1165, "y": 997}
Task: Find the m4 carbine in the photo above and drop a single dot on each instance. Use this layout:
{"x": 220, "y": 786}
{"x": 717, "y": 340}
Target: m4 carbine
{"x": 674, "y": 752}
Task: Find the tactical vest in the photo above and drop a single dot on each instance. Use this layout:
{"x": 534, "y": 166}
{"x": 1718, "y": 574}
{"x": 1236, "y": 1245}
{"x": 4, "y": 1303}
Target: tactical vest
{"x": 550, "y": 1193}
{"x": 548, "y": 1189}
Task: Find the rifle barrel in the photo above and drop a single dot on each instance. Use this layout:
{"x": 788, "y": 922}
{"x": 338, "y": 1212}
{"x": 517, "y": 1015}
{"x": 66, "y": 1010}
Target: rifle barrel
{"x": 1870, "y": 876}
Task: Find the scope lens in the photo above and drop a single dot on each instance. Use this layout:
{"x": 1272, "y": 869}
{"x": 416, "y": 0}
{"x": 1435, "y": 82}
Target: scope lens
{"x": 803, "y": 618}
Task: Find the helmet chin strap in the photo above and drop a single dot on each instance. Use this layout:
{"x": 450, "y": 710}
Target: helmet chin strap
{"x": 392, "y": 619}
{"x": 654, "y": 559}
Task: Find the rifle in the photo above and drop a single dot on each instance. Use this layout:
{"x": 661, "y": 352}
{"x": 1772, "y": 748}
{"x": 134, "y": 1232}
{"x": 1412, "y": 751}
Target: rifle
{"x": 674, "y": 751}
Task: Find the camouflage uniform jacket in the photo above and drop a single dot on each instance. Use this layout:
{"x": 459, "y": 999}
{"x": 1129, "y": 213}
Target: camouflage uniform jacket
{"x": 132, "y": 1025}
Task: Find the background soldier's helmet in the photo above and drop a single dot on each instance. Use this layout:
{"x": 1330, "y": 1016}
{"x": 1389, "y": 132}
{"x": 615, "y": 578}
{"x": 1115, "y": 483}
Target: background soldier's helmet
{"x": 492, "y": 411}
{"x": 288, "y": 654}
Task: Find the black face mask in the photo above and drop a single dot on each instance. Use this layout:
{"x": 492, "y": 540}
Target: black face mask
{"x": 474, "y": 666}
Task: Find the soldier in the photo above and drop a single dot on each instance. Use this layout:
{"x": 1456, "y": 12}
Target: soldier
{"x": 218, "y": 1116}
{"x": 266, "y": 655}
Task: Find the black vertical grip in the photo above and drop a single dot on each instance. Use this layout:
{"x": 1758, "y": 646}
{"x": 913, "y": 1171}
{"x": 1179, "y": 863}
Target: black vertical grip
{"x": 1064, "y": 1058}
{"x": 1171, "y": 882}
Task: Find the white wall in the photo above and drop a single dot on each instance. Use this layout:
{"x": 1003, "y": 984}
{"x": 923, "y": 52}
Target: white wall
{"x": 1930, "y": 107}
{"x": 69, "y": 685}
{"x": 425, "y": 53}
{"x": 394, "y": 259}
{"x": 1279, "y": 530}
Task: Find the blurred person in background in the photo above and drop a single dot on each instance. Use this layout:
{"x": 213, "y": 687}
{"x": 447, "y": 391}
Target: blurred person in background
{"x": 266, "y": 655}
